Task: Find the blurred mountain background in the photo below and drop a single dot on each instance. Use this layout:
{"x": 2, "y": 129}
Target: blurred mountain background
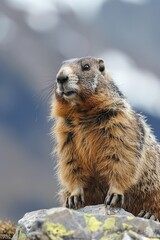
{"x": 35, "y": 37}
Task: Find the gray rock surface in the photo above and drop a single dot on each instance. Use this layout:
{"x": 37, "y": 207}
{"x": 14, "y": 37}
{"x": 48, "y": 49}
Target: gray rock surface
{"x": 91, "y": 222}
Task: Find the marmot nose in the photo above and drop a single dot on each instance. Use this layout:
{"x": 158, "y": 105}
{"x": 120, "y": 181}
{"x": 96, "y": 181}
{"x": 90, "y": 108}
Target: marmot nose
{"x": 61, "y": 78}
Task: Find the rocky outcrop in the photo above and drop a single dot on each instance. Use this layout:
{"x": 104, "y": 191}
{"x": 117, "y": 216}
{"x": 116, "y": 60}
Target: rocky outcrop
{"x": 91, "y": 222}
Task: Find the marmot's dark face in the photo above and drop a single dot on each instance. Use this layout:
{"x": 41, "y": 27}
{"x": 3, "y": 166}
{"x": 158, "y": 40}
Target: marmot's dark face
{"x": 79, "y": 75}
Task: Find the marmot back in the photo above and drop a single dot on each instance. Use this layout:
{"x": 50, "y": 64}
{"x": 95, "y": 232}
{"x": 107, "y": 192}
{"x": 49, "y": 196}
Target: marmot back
{"x": 106, "y": 151}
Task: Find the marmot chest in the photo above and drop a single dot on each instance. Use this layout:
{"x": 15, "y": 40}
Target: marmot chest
{"x": 93, "y": 148}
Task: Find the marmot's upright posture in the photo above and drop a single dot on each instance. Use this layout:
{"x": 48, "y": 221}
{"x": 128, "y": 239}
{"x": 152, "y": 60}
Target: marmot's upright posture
{"x": 107, "y": 153}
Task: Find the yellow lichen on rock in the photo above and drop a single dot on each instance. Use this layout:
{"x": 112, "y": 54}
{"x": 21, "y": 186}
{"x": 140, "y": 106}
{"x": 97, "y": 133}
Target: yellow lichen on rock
{"x": 92, "y": 223}
{"x": 127, "y": 226}
{"x": 130, "y": 218}
{"x": 104, "y": 238}
{"x": 55, "y": 230}
{"x": 20, "y": 235}
{"x": 109, "y": 224}
{"x": 154, "y": 239}
{"x": 113, "y": 236}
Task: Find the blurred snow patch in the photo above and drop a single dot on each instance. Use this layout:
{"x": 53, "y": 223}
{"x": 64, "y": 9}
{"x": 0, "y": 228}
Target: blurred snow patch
{"x": 136, "y": 1}
{"x": 74, "y": 42}
{"x": 82, "y": 8}
{"x": 142, "y": 87}
{"x": 42, "y": 22}
{"x": 85, "y": 10}
{"x": 42, "y": 14}
{"x": 33, "y": 7}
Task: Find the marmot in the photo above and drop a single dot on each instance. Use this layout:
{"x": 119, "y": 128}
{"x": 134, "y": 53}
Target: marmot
{"x": 107, "y": 152}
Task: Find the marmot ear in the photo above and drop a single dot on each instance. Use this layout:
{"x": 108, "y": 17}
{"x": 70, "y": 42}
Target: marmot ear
{"x": 101, "y": 65}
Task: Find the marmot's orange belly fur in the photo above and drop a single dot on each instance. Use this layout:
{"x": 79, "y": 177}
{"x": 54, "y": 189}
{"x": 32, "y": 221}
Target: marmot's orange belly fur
{"x": 106, "y": 151}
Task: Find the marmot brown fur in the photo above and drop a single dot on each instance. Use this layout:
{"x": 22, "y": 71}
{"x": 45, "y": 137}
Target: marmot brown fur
{"x": 107, "y": 152}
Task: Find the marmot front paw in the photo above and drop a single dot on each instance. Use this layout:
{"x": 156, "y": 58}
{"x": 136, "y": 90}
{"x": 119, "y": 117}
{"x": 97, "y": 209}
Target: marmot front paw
{"x": 114, "y": 200}
{"x": 75, "y": 201}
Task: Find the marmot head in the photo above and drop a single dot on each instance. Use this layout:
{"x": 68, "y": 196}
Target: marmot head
{"x": 80, "y": 78}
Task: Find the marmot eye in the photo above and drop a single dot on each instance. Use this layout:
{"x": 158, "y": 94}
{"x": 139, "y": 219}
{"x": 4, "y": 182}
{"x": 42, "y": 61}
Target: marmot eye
{"x": 86, "y": 67}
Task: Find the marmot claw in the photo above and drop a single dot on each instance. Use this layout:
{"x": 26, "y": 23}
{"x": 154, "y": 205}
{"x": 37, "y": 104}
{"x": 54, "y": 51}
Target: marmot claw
{"x": 147, "y": 215}
{"x": 114, "y": 200}
{"x": 75, "y": 201}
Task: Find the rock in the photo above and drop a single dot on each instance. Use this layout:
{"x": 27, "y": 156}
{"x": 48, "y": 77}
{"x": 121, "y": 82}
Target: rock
{"x": 91, "y": 222}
